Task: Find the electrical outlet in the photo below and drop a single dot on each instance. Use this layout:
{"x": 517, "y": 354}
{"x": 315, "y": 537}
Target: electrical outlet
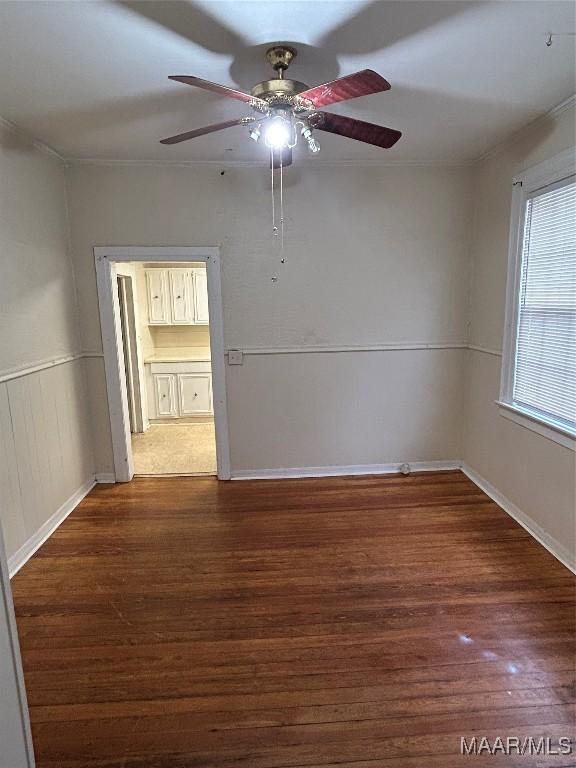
{"x": 235, "y": 357}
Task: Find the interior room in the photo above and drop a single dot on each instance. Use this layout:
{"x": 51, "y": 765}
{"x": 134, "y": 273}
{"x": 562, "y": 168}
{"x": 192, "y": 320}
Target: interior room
{"x": 164, "y": 309}
{"x": 287, "y": 383}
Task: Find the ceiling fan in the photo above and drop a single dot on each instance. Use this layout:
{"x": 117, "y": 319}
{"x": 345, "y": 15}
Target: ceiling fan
{"x": 288, "y": 108}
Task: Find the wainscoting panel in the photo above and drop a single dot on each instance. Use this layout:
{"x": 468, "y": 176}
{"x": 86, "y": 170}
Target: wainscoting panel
{"x": 12, "y": 516}
{"x": 45, "y": 447}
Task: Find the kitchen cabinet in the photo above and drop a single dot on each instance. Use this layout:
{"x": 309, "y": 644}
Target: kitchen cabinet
{"x": 200, "y": 280}
{"x": 181, "y": 296}
{"x": 194, "y": 393}
{"x": 165, "y": 395}
{"x": 177, "y": 296}
{"x": 179, "y": 389}
{"x": 157, "y": 291}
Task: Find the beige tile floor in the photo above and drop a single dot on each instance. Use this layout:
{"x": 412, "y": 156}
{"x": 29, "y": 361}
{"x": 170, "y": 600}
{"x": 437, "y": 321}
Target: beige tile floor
{"x": 179, "y": 449}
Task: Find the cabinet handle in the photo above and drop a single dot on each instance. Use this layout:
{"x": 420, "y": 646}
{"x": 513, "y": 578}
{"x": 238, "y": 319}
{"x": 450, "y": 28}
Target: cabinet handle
{"x": 156, "y": 297}
{"x": 163, "y": 396}
{"x": 195, "y": 394}
{"x": 178, "y": 297}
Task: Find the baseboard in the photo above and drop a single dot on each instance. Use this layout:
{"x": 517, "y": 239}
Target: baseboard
{"x": 353, "y": 469}
{"x": 542, "y": 537}
{"x": 105, "y": 477}
{"x": 22, "y": 555}
{"x": 560, "y": 552}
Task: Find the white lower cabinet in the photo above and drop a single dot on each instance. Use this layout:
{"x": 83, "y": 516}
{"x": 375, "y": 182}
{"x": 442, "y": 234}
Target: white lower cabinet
{"x": 195, "y": 393}
{"x": 165, "y": 395}
{"x": 179, "y": 389}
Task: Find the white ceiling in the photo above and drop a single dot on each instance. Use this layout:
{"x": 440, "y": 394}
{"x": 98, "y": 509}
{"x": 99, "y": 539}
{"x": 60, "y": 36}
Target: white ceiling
{"x": 90, "y": 78}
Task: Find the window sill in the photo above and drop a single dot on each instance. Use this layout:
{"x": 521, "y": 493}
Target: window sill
{"x": 534, "y": 422}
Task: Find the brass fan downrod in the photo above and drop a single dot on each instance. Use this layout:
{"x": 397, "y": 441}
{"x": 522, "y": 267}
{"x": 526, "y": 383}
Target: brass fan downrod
{"x": 279, "y": 91}
{"x": 280, "y": 58}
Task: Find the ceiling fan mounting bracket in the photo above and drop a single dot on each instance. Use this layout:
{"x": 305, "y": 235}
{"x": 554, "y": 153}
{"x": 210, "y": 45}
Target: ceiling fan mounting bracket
{"x": 280, "y": 57}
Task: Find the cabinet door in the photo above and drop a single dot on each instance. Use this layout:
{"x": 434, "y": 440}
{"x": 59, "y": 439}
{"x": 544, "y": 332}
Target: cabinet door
{"x": 200, "y": 297}
{"x": 157, "y": 288}
{"x": 165, "y": 391}
{"x": 195, "y": 390}
{"x": 181, "y": 298}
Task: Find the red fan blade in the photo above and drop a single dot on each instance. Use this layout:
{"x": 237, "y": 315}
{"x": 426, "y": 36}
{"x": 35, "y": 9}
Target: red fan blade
{"x": 216, "y": 88}
{"x": 209, "y": 129}
{"x": 369, "y": 133}
{"x": 349, "y": 87}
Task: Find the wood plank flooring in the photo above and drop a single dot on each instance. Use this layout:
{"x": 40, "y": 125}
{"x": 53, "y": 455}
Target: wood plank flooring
{"x": 340, "y": 622}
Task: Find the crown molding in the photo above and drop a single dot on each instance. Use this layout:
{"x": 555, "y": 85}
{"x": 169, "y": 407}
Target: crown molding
{"x": 360, "y": 163}
{"x": 41, "y": 146}
{"x": 36, "y": 143}
{"x": 498, "y": 148}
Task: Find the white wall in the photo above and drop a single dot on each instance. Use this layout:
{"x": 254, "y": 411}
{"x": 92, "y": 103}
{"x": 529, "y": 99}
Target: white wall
{"x": 45, "y": 445}
{"x": 374, "y": 256}
{"x": 169, "y": 336}
{"x": 45, "y": 442}
{"x": 533, "y": 472}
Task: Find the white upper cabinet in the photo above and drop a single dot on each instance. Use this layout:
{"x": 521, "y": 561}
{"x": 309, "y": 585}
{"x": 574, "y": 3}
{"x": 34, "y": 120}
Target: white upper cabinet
{"x": 181, "y": 296}
{"x": 200, "y": 297}
{"x": 177, "y": 296}
{"x": 157, "y": 290}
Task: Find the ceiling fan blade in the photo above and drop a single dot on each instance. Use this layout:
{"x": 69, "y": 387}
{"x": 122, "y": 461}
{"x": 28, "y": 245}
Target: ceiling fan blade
{"x": 223, "y": 90}
{"x": 369, "y": 133}
{"x": 208, "y": 129}
{"x": 349, "y": 87}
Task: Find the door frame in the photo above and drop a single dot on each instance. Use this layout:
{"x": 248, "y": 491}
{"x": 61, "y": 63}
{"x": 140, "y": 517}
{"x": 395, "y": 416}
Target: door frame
{"x": 134, "y": 380}
{"x": 15, "y": 731}
{"x": 106, "y": 258}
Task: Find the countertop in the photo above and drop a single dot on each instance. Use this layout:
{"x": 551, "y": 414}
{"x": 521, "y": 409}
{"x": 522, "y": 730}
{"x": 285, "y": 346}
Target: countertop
{"x": 180, "y": 355}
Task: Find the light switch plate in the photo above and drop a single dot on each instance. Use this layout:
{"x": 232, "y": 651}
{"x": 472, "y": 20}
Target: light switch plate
{"x": 235, "y": 357}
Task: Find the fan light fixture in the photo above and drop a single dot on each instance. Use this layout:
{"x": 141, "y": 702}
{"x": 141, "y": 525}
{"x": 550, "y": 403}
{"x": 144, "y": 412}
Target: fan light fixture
{"x": 286, "y": 109}
{"x": 254, "y": 132}
{"x": 278, "y": 133}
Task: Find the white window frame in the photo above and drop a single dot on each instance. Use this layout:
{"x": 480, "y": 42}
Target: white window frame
{"x": 550, "y": 171}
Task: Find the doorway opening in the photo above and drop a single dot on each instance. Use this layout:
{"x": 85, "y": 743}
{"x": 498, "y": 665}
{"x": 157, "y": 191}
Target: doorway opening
{"x": 161, "y": 318}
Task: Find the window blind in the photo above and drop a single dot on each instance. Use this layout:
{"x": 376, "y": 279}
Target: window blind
{"x": 545, "y": 361}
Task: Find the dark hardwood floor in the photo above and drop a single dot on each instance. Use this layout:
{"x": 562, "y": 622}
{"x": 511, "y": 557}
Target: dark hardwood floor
{"x": 361, "y": 622}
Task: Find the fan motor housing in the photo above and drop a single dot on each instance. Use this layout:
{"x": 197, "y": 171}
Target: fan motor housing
{"x": 268, "y": 89}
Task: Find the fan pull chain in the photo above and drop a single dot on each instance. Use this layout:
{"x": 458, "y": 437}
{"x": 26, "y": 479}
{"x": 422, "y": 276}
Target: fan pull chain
{"x": 274, "y": 227}
{"x": 282, "y": 259}
{"x": 274, "y": 278}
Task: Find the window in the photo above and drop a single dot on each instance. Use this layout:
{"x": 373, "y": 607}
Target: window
{"x": 539, "y": 372}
